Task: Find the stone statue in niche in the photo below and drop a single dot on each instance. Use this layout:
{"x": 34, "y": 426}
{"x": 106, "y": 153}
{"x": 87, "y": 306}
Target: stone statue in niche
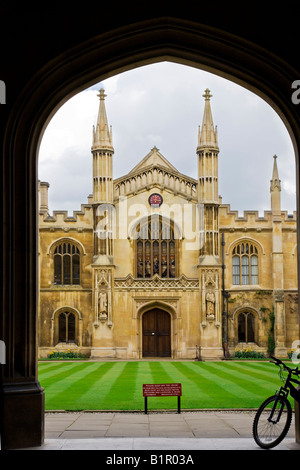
{"x": 210, "y": 304}
{"x": 102, "y": 305}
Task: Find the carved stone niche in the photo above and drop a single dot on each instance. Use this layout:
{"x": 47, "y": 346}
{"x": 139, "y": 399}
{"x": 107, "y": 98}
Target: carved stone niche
{"x": 102, "y": 298}
{"x": 102, "y": 303}
{"x": 210, "y": 296}
{"x": 210, "y": 303}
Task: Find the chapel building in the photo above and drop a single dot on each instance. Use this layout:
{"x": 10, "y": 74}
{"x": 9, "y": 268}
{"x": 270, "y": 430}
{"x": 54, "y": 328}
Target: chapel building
{"x": 155, "y": 265}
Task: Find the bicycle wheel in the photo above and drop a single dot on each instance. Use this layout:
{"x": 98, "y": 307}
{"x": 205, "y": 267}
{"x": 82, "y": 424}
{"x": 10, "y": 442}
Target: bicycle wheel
{"x": 267, "y": 432}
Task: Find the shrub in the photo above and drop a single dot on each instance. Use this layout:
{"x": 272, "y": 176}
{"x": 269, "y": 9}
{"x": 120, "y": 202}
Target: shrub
{"x": 69, "y": 354}
{"x": 290, "y": 354}
{"x": 246, "y": 353}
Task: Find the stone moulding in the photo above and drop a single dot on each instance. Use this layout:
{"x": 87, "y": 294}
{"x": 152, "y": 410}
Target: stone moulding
{"x": 156, "y": 282}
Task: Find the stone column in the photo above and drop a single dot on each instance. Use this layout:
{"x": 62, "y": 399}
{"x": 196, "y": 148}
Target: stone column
{"x": 279, "y": 326}
{"x": 21, "y": 396}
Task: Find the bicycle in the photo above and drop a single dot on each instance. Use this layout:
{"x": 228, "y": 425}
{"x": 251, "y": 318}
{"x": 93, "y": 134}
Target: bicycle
{"x": 274, "y": 416}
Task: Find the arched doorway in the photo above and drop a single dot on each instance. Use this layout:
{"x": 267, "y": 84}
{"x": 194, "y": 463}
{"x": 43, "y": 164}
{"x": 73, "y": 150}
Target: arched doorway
{"x": 66, "y": 327}
{"x": 246, "y": 327}
{"x": 156, "y": 333}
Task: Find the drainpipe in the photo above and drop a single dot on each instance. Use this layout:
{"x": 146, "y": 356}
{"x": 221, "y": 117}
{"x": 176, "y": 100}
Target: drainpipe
{"x": 225, "y": 296}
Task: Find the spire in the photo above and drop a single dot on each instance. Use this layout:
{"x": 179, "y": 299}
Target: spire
{"x": 207, "y": 135}
{"x": 275, "y": 188}
{"x": 102, "y": 135}
{"x": 275, "y": 181}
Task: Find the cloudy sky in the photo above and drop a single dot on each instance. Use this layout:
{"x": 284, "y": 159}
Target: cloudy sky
{"x": 162, "y": 105}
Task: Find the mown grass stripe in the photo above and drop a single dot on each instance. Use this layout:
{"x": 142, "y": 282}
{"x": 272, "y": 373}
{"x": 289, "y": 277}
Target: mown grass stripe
{"x": 209, "y": 393}
{"x": 193, "y": 393}
{"x": 44, "y": 367}
{"x": 68, "y": 392}
{"x": 160, "y": 375}
{"x": 225, "y": 390}
{"x": 46, "y": 370}
{"x": 99, "y": 387}
{"x": 206, "y": 390}
{"x": 123, "y": 389}
{"x": 61, "y": 373}
{"x": 144, "y": 376}
{"x": 118, "y": 385}
{"x": 256, "y": 371}
{"x": 242, "y": 379}
{"x": 266, "y": 375}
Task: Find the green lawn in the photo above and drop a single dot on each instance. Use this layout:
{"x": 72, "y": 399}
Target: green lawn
{"x": 118, "y": 385}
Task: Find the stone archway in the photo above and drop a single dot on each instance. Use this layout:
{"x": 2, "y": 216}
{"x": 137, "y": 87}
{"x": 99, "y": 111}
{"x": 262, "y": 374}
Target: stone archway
{"x": 31, "y": 108}
{"x": 158, "y": 316}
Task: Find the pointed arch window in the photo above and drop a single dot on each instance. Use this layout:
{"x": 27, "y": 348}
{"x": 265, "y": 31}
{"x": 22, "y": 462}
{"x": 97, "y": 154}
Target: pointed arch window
{"x": 245, "y": 264}
{"x": 156, "y": 248}
{"x": 246, "y": 327}
{"x": 66, "y": 264}
{"x": 66, "y": 327}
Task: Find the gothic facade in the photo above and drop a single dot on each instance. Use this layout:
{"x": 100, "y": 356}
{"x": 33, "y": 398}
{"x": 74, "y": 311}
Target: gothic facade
{"x": 156, "y": 265}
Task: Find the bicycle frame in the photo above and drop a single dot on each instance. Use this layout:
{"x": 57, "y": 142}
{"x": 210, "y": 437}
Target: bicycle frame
{"x": 284, "y": 392}
{"x": 273, "y": 418}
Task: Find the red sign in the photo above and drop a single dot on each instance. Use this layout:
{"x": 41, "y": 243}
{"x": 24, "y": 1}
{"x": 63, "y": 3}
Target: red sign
{"x": 161, "y": 390}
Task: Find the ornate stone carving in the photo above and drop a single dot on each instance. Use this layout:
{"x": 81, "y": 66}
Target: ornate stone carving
{"x": 165, "y": 300}
{"x": 159, "y": 176}
{"x": 156, "y": 282}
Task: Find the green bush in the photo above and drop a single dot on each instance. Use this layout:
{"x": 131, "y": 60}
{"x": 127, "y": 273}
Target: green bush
{"x": 290, "y": 354}
{"x": 247, "y": 353}
{"x": 69, "y": 354}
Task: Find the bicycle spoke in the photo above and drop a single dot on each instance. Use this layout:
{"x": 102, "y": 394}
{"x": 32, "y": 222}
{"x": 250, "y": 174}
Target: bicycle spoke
{"x": 268, "y": 432}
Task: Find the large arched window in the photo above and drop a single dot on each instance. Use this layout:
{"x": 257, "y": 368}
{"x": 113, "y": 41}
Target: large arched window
{"x": 66, "y": 327}
{"x": 246, "y": 327}
{"x": 156, "y": 248}
{"x": 245, "y": 264}
{"x": 66, "y": 264}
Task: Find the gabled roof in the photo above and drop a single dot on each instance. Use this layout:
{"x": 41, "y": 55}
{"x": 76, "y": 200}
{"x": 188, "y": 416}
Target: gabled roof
{"x": 153, "y": 158}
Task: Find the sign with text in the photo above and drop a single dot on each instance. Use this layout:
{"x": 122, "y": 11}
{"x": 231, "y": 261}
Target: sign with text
{"x": 162, "y": 390}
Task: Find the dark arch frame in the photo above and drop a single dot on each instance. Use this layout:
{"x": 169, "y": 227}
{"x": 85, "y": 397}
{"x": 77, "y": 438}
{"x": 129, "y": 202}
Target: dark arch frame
{"x": 114, "y": 51}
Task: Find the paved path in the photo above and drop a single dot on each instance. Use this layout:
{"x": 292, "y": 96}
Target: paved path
{"x": 197, "y": 430}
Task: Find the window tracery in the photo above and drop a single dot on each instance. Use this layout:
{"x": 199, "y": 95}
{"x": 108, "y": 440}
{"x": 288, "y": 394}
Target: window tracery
{"x": 245, "y": 264}
{"x": 66, "y": 264}
{"x": 156, "y": 248}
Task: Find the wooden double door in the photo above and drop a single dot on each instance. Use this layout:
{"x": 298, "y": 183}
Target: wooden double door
{"x": 156, "y": 333}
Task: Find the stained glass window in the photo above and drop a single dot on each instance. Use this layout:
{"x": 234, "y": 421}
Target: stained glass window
{"x": 155, "y": 248}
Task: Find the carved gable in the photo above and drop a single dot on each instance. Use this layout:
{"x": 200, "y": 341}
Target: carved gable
{"x": 154, "y": 158}
{"x": 156, "y": 170}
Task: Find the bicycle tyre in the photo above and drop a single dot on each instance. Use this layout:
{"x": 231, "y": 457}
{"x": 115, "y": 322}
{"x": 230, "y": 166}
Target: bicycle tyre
{"x": 267, "y": 434}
